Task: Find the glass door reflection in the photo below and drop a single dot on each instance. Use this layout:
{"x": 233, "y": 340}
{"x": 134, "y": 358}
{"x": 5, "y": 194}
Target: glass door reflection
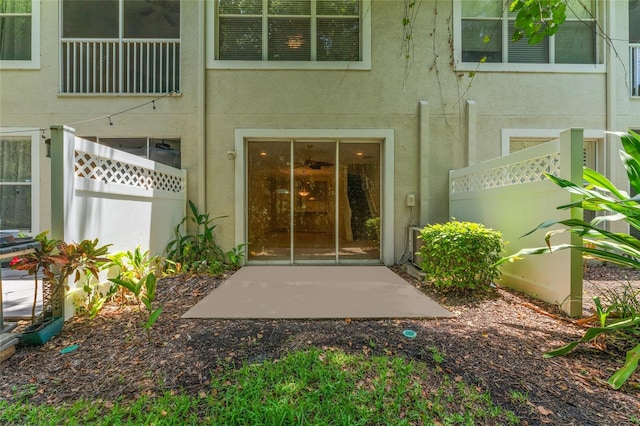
{"x": 269, "y": 200}
{"x": 314, "y": 237}
{"x": 314, "y": 201}
{"x": 359, "y": 213}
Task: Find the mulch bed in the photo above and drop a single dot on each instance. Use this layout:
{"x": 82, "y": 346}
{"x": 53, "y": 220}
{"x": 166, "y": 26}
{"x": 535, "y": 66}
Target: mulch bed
{"x": 495, "y": 342}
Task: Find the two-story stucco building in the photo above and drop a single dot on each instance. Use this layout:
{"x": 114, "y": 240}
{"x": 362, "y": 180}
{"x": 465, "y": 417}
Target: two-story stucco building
{"x": 307, "y": 122}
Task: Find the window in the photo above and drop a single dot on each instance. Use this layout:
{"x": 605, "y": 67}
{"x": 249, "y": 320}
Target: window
{"x": 18, "y": 196}
{"x": 634, "y": 46}
{"x": 19, "y": 33}
{"x": 322, "y": 32}
{"x": 162, "y": 150}
{"x": 592, "y": 153}
{"x": 486, "y": 27}
{"x": 120, "y": 46}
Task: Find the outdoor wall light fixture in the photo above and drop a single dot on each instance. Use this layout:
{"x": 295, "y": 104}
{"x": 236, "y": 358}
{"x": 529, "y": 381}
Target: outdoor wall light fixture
{"x": 231, "y": 155}
{"x": 47, "y": 144}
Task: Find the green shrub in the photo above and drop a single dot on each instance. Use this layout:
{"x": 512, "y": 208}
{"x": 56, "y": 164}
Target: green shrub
{"x": 460, "y": 256}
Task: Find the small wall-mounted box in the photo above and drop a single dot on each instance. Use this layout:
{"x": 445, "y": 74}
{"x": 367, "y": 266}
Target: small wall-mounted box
{"x": 411, "y": 199}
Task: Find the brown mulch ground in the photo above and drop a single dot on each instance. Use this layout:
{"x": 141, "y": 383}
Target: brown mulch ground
{"x": 495, "y": 343}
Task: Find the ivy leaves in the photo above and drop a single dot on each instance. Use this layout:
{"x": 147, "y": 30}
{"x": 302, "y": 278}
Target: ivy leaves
{"x": 537, "y": 19}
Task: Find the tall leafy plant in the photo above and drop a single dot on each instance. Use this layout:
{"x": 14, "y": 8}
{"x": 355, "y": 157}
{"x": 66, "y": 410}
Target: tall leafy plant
{"x": 599, "y": 194}
{"x": 137, "y": 275}
{"x": 60, "y": 261}
{"x": 144, "y": 290}
{"x": 43, "y": 259}
{"x": 196, "y": 252}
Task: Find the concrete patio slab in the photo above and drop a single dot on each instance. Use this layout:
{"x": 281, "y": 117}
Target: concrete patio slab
{"x": 316, "y": 292}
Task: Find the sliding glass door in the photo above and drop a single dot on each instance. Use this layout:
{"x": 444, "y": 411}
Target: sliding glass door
{"x": 313, "y": 201}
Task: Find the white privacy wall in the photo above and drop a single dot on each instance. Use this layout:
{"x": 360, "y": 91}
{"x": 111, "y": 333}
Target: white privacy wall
{"x": 511, "y": 194}
{"x": 119, "y": 198}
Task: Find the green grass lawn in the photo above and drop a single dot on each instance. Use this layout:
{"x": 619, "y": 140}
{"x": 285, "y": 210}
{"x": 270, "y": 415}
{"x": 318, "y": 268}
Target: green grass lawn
{"x": 315, "y": 387}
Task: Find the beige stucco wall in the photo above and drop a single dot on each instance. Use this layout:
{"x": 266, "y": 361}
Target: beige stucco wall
{"x": 30, "y": 98}
{"x": 385, "y": 97}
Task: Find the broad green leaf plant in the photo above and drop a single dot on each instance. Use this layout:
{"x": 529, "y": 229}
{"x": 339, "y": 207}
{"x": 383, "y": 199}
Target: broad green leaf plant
{"x": 599, "y": 194}
{"x": 537, "y": 19}
{"x": 137, "y": 274}
{"x": 199, "y": 252}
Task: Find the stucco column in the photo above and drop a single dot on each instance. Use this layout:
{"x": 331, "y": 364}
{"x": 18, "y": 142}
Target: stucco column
{"x": 424, "y": 167}
{"x": 472, "y": 139}
{"x": 202, "y": 109}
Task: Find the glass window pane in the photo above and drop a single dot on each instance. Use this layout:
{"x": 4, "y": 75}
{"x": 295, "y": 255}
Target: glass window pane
{"x": 90, "y": 18}
{"x": 581, "y": 9}
{"x": 152, "y": 19}
{"x": 289, "y": 7}
{"x": 481, "y": 38}
{"x": 15, "y": 207}
{"x": 289, "y": 39}
{"x": 240, "y": 7}
{"x": 135, "y": 146}
{"x": 15, "y": 159}
{"x": 15, "y": 38}
{"x": 634, "y": 21}
{"x": 482, "y": 8}
{"x": 338, "y": 40}
{"x": 576, "y": 43}
{"x": 165, "y": 151}
{"x": 344, "y": 7}
{"x": 522, "y": 52}
{"x": 240, "y": 39}
{"x": 15, "y": 6}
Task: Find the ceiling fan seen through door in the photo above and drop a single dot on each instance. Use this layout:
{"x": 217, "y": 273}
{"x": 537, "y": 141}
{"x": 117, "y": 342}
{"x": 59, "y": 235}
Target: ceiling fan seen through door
{"x": 314, "y": 164}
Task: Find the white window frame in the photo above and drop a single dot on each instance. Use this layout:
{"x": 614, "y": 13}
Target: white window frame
{"x": 34, "y": 62}
{"x": 35, "y": 136}
{"x": 363, "y": 64}
{"x": 509, "y": 134}
{"x": 521, "y": 67}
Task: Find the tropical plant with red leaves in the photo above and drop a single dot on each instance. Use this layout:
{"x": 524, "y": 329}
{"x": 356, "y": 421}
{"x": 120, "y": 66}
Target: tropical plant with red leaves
{"x": 43, "y": 259}
{"x": 58, "y": 261}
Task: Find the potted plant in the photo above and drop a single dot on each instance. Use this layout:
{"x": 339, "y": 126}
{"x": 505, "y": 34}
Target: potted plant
{"x": 58, "y": 262}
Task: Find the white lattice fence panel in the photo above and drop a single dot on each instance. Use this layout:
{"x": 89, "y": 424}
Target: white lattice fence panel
{"x": 91, "y": 166}
{"x": 531, "y": 170}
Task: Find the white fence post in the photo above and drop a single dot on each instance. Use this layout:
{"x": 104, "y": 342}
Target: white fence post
{"x": 572, "y": 160}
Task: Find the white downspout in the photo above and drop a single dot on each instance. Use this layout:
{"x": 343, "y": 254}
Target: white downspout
{"x": 202, "y": 107}
{"x": 611, "y": 70}
{"x": 611, "y": 146}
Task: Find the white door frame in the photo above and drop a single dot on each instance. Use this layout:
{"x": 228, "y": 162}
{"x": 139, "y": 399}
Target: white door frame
{"x": 386, "y": 136}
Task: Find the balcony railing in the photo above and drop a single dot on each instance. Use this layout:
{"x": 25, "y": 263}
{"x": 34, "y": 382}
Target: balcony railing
{"x": 119, "y": 66}
{"x": 634, "y": 59}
